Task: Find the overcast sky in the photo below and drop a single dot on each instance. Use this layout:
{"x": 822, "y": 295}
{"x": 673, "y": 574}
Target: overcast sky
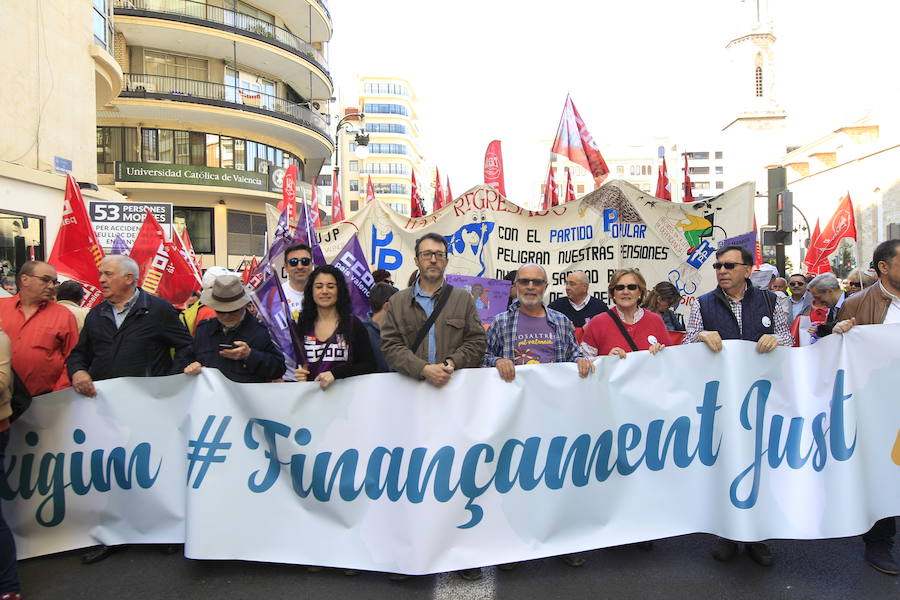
{"x": 498, "y": 69}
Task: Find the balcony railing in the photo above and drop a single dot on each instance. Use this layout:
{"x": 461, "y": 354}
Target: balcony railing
{"x": 190, "y": 90}
{"x": 324, "y": 7}
{"x": 226, "y": 19}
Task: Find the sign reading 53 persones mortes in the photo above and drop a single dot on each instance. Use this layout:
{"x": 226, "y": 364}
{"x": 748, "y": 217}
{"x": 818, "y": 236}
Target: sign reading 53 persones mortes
{"x": 614, "y": 227}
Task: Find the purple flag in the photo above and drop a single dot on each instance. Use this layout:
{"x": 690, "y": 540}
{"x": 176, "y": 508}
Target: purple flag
{"x": 351, "y": 261}
{"x": 490, "y": 295}
{"x": 305, "y": 234}
{"x": 119, "y": 246}
{"x": 275, "y": 313}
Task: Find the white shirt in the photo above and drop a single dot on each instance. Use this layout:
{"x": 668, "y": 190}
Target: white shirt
{"x": 294, "y": 298}
{"x": 893, "y": 312}
{"x": 582, "y": 305}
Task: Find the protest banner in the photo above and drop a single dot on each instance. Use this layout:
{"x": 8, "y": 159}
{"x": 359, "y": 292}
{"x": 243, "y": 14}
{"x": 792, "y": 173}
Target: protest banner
{"x": 614, "y": 227}
{"x": 385, "y": 473}
{"x": 124, "y": 219}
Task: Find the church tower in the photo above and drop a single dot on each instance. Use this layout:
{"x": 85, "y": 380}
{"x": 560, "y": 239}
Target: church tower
{"x": 751, "y": 77}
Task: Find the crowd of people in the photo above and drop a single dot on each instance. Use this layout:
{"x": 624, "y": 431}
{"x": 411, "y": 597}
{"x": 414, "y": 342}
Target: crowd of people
{"x": 427, "y": 331}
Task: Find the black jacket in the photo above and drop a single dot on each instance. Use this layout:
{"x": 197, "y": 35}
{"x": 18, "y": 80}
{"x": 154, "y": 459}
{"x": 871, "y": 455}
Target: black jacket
{"x": 265, "y": 363}
{"x": 139, "y": 348}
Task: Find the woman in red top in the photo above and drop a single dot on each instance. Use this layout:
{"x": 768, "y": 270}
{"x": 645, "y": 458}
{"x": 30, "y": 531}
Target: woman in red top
{"x": 603, "y": 336}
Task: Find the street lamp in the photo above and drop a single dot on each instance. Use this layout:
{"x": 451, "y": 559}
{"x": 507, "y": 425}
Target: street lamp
{"x": 361, "y": 139}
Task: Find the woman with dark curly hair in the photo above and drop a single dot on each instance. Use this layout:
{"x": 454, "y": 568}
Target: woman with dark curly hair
{"x": 335, "y": 343}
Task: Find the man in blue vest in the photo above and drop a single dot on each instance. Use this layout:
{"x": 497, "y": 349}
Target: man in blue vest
{"x": 736, "y": 310}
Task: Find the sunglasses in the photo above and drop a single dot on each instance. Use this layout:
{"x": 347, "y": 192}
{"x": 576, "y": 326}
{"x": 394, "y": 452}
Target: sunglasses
{"x": 630, "y": 287}
{"x": 529, "y": 281}
{"x": 854, "y": 284}
{"x": 302, "y": 261}
{"x": 728, "y": 265}
{"x": 797, "y": 283}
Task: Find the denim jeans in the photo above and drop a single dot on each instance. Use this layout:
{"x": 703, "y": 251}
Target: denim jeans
{"x": 9, "y": 577}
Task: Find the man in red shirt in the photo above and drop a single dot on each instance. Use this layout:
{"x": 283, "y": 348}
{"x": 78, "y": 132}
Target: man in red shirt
{"x": 41, "y": 331}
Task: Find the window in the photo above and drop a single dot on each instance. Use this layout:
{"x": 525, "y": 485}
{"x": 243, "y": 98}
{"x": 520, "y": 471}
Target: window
{"x": 166, "y": 146}
{"x": 579, "y": 189}
{"x": 719, "y": 170}
{"x": 354, "y": 185}
{"x": 698, "y": 170}
{"x": 226, "y": 149}
{"x": 239, "y": 155}
{"x": 182, "y": 148}
{"x": 759, "y": 82}
{"x": 620, "y": 169}
{"x": 391, "y": 188}
{"x": 698, "y": 155}
{"x": 386, "y": 168}
{"x": 323, "y": 180}
{"x": 389, "y": 109}
{"x": 246, "y": 233}
{"x": 388, "y": 149}
{"x": 720, "y": 185}
{"x": 386, "y": 88}
{"x": 700, "y": 185}
{"x": 18, "y": 234}
{"x": 400, "y": 207}
{"x": 199, "y": 222}
{"x": 102, "y": 24}
{"x": 719, "y": 155}
{"x": 173, "y": 65}
{"x": 150, "y": 145}
{"x": 354, "y": 205}
{"x": 354, "y": 166}
{"x": 115, "y": 144}
{"x": 386, "y": 128}
{"x": 212, "y": 150}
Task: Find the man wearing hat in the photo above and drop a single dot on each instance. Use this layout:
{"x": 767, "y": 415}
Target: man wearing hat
{"x": 234, "y": 342}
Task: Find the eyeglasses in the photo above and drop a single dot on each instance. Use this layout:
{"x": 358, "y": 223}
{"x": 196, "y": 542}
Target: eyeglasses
{"x": 305, "y": 261}
{"x": 429, "y": 254}
{"x": 531, "y": 281}
{"x": 46, "y": 279}
{"x": 630, "y": 287}
{"x": 728, "y": 265}
{"x": 797, "y": 283}
{"x": 854, "y": 284}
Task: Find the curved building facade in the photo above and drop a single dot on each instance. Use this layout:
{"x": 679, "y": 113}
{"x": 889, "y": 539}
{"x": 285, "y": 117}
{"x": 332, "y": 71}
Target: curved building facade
{"x": 218, "y": 98}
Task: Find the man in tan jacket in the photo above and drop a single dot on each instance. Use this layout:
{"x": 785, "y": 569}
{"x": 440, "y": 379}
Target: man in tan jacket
{"x": 456, "y": 340}
{"x": 878, "y": 303}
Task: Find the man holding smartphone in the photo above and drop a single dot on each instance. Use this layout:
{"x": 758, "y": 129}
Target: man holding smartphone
{"x": 234, "y": 342}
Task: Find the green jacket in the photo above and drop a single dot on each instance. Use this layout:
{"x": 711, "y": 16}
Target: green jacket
{"x": 458, "y": 332}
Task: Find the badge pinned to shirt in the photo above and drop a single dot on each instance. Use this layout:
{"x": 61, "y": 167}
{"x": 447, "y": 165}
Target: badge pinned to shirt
{"x": 766, "y": 321}
{"x": 652, "y": 339}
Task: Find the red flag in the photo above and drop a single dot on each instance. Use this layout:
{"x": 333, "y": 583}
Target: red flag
{"x": 337, "y": 206}
{"x": 841, "y": 225}
{"x": 438, "y": 192}
{"x": 314, "y": 207}
{"x": 189, "y": 257}
{"x": 245, "y": 276}
{"x": 289, "y": 196}
{"x": 570, "y": 189}
{"x": 448, "y": 197}
{"x": 189, "y": 246}
{"x": 370, "y": 191}
{"x": 169, "y": 276}
{"x": 688, "y": 193}
{"x": 493, "y": 167}
{"x": 551, "y": 193}
{"x": 663, "y": 188}
{"x": 76, "y": 252}
{"x": 415, "y": 205}
{"x": 147, "y": 243}
{"x": 575, "y": 142}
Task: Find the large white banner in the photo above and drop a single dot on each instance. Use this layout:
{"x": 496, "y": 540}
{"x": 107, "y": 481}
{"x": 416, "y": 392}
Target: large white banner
{"x": 611, "y": 228}
{"x": 384, "y": 473}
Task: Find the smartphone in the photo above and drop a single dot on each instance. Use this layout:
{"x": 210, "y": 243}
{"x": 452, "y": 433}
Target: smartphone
{"x": 227, "y": 346}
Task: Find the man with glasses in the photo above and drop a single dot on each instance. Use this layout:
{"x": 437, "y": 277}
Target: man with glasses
{"x": 801, "y": 299}
{"x": 298, "y": 264}
{"x": 432, "y": 329}
{"x": 42, "y": 332}
{"x": 736, "y": 310}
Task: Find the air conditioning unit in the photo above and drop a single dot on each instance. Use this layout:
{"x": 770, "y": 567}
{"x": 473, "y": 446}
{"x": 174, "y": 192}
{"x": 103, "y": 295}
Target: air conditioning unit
{"x": 143, "y": 86}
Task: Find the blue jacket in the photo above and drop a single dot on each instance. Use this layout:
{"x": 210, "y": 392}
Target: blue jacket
{"x": 141, "y": 347}
{"x": 374, "y": 332}
{"x": 265, "y": 363}
{"x": 757, "y": 308}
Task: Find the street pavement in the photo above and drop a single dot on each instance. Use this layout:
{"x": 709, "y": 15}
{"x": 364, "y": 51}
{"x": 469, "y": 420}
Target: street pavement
{"x": 676, "y": 568}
